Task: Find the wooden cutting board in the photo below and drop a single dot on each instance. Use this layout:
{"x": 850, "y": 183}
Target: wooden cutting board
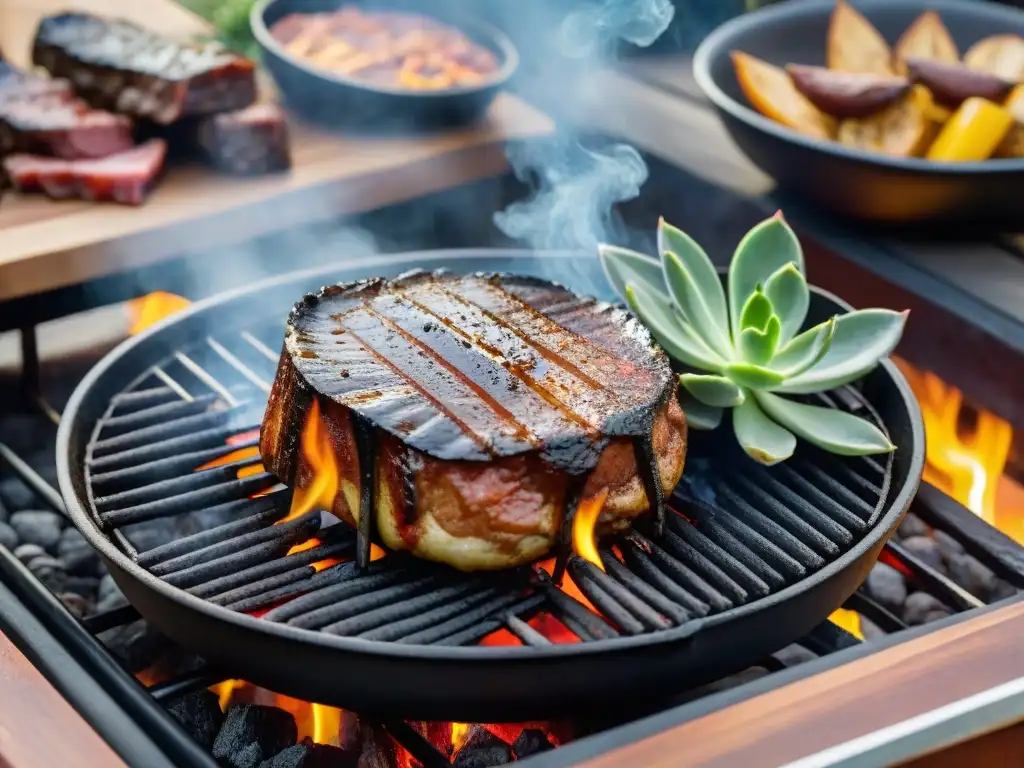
{"x": 46, "y": 244}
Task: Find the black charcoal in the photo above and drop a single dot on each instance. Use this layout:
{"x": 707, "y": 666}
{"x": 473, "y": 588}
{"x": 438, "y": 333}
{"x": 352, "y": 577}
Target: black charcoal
{"x": 926, "y": 550}
{"x": 77, "y": 605}
{"x": 887, "y": 586}
{"x": 310, "y": 755}
{"x": 794, "y": 654}
{"x": 919, "y": 606}
{"x": 4, "y": 513}
{"x": 483, "y": 757}
{"x": 78, "y": 555}
{"x": 37, "y": 527}
{"x": 82, "y": 585}
{"x": 50, "y": 571}
{"x": 136, "y": 645}
{"x": 869, "y": 629}
{"x": 249, "y": 756}
{"x": 200, "y": 715}
{"x": 912, "y": 525}
{"x": 532, "y": 741}
{"x": 15, "y": 494}
{"x": 972, "y": 575}
{"x": 948, "y": 546}
{"x": 269, "y": 728}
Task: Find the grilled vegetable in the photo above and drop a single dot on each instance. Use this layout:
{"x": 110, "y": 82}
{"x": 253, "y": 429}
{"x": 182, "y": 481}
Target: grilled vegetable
{"x": 752, "y": 348}
{"x": 952, "y": 84}
{"x": 772, "y": 93}
{"x": 124, "y": 178}
{"x": 1001, "y": 56}
{"x": 854, "y": 45}
{"x": 926, "y": 38}
{"x": 973, "y": 132}
{"x": 901, "y": 130}
{"x": 118, "y": 66}
{"x": 846, "y": 94}
{"x": 481, "y": 405}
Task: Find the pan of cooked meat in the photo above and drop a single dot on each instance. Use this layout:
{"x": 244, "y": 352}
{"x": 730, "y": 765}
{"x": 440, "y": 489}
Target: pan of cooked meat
{"x": 374, "y": 497}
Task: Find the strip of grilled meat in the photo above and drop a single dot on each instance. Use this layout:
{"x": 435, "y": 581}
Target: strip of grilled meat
{"x": 494, "y": 401}
{"x": 119, "y": 66}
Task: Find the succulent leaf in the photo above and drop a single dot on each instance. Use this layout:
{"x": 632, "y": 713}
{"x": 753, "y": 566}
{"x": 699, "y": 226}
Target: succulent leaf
{"x": 805, "y": 350}
{"x": 753, "y": 376}
{"x": 764, "y": 250}
{"x": 623, "y": 267}
{"x": 861, "y": 339}
{"x": 836, "y": 431}
{"x": 688, "y": 298}
{"x": 764, "y": 441}
{"x": 703, "y": 272}
{"x": 716, "y": 391}
{"x": 676, "y": 337}
{"x": 698, "y": 415}
{"x": 790, "y": 297}
{"x": 756, "y": 311}
{"x": 757, "y": 346}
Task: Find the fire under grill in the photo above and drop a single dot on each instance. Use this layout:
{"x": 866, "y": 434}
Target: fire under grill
{"x": 173, "y": 478}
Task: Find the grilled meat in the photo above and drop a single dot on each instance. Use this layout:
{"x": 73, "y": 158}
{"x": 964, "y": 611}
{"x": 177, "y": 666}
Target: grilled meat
{"x": 248, "y": 142}
{"x": 491, "y": 402}
{"x": 124, "y": 178}
{"x": 39, "y": 115}
{"x": 121, "y": 67}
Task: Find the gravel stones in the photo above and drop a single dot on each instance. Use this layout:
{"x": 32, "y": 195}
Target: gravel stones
{"x": 8, "y": 537}
{"x": 37, "y": 527}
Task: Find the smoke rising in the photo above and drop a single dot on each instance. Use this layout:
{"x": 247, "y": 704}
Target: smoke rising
{"x": 575, "y": 186}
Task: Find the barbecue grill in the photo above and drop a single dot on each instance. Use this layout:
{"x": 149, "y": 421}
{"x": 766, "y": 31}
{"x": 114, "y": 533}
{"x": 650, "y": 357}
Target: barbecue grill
{"x": 750, "y": 560}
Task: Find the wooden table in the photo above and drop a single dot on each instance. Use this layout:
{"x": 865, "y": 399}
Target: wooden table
{"x": 38, "y": 728}
{"x": 47, "y": 244}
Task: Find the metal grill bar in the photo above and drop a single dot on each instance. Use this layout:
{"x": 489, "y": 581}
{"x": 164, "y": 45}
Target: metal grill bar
{"x": 766, "y": 529}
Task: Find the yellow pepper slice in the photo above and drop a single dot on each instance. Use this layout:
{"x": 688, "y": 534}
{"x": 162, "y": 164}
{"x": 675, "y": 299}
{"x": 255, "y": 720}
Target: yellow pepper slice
{"x": 1013, "y": 144}
{"x": 972, "y": 133}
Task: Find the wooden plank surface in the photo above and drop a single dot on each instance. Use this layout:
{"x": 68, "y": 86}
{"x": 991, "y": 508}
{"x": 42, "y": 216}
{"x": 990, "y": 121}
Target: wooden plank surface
{"x": 38, "y": 728}
{"x": 47, "y": 244}
{"x": 842, "y": 704}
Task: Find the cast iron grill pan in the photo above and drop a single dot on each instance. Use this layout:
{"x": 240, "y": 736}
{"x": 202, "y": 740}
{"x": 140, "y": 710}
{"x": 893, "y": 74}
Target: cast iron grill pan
{"x": 750, "y": 560}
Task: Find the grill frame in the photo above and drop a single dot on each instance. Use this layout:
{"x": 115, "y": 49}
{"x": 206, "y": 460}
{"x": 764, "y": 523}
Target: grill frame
{"x": 443, "y": 682}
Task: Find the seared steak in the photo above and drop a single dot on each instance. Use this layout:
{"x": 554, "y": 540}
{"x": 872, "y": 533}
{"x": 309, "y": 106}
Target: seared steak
{"x": 247, "y": 142}
{"x": 486, "y": 405}
{"x": 121, "y": 67}
{"x": 125, "y": 177}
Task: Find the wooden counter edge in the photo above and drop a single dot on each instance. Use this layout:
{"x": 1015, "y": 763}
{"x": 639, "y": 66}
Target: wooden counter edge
{"x": 38, "y": 727}
{"x": 798, "y": 721}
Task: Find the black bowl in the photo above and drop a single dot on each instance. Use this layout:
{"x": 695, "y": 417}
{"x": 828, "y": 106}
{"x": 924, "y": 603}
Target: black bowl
{"x": 851, "y": 182}
{"x": 338, "y": 101}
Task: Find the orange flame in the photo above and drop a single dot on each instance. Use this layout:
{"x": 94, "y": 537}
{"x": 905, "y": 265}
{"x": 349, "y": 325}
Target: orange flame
{"x": 326, "y": 724}
{"x": 848, "y": 620}
{"x": 318, "y": 456}
{"x": 460, "y": 732}
{"x": 967, "y": 451}
{"x": 583, "y": 541}
{"x": 152, "y": 308}
{"x": 226, "y": 690}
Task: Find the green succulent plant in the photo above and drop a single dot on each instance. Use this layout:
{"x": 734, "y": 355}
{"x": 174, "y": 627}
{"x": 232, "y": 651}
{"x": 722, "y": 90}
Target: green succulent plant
{"x": 745, "y": 341}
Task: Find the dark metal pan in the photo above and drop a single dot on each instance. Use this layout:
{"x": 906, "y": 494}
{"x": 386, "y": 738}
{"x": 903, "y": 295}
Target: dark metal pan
{"x": 338, "y": 101}
{"x": 854, "y": 183}
{"x": 451, "y": 680}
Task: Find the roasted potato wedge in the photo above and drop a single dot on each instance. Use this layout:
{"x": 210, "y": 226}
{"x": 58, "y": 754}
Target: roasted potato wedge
{"x": 1000, "y": 55}
{"x": 771, "y": 92}
{"x": 901, "y": 130}
{"x": 926, "y": 38}
{"x": 854, "y": 45}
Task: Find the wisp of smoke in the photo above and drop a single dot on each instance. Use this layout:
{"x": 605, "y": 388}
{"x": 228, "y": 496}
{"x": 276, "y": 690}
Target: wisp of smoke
{"x": 574, "y": 188}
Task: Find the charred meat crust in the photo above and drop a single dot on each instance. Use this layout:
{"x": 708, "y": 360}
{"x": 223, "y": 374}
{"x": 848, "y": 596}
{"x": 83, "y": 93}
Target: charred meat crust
{"x": 119, "y": 66}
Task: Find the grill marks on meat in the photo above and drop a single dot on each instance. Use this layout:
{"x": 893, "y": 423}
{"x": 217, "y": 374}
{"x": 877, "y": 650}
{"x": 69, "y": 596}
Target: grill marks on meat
{"x": 41, "y": 116}
{"x": 126, "y": 177}
{"x": 119, "y": 66}
{"x": 247, "y": 142}
{"x": 488, "y": 397}
{"x": 482, "y": 367}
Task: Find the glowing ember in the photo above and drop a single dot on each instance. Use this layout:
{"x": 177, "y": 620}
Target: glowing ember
{"x": 318, "y": 457}
{"x": 376, "y": 553}
{"x": 226, "y": 690}
{"x": 460, "y": 732}
{"x": 240, "y": 454}
{"x": 152, "y": 308}
{"x": 967, "y": 451}
{"x": 583, "y": 540}
{"x": 848, "y": 620}
{"x": 326, "y": 724}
